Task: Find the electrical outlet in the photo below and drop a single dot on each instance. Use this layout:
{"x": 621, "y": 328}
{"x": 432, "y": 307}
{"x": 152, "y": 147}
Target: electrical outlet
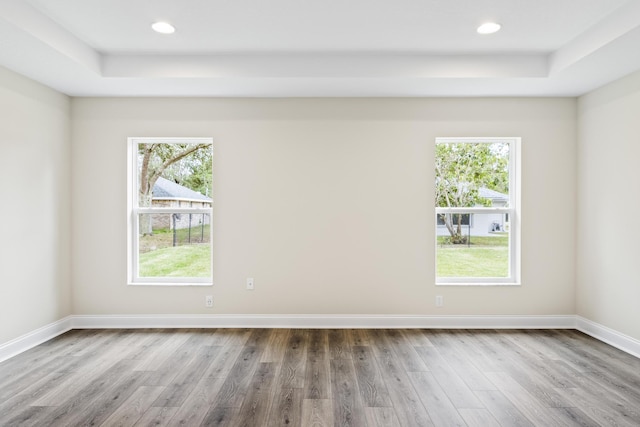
{"x": 250, "y": 286}
{"x": 208, "y": 301}
{"x": 439, "y": 300}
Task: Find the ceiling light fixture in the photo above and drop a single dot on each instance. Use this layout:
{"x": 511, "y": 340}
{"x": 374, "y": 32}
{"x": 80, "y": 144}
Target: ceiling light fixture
{"x": 488, "y": 28}
{"x": 163, "y": 28}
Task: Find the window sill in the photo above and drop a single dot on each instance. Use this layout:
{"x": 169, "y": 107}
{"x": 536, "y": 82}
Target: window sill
{"x": 172, "y": 284}
{"x": 478, "y": 284}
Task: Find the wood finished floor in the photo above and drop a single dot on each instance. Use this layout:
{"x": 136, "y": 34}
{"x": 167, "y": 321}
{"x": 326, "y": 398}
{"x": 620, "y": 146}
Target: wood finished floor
{"x": 306, "y": 377}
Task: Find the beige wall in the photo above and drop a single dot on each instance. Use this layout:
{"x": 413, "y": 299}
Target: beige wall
{"x": 327, "y": 203}
{"x": 35, "y": 208}
{"x": 608, "y": 287}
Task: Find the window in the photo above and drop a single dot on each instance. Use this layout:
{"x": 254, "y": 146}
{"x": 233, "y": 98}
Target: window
{"x": 170, "y": 209}
{"x": 477, "y": 210}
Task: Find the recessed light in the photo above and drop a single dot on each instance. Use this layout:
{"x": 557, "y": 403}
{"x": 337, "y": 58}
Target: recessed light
{"x": 488, "y": 28}
{"x": 163, "y": 28}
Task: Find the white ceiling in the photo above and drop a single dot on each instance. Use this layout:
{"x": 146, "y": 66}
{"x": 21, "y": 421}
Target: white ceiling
{"x": 321, "y": 47}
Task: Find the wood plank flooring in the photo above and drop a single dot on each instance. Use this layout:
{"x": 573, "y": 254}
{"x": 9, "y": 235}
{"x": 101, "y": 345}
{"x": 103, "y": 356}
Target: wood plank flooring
{"x": 320, "y": 377}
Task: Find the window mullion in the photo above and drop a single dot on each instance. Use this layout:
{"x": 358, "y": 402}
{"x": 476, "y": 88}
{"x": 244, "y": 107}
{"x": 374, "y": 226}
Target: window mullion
{"x": 168, "y": 210}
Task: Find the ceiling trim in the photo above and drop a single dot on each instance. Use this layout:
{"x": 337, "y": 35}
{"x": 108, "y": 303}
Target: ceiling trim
{"x": 60, "y": 60}
{"x": 325, "y": 65}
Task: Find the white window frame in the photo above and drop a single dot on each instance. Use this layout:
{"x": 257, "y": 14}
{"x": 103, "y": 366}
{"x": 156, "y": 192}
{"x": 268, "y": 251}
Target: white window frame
{"x": 513, "y": 209}
{"x": 133, "y": 211}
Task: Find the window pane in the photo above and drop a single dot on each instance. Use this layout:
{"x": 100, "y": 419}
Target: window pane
{"x": 174, "y": 245}
{"x": 462, "y": 219}
{"x": 472, "y": 174}
{"x": 480, "y": 249}
{"x": 174, "y": 175}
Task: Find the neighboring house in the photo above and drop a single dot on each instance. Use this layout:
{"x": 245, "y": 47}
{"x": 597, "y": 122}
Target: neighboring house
{"x": 485, "y": 224}
{"x": 168, "y": 194}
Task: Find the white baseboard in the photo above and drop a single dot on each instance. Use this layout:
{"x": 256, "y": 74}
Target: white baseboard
{"x": 600, "y": 332}
{"x": 34, "y": 338}
{"x": 323, "y": 321}
{"x": 614, "y": 338}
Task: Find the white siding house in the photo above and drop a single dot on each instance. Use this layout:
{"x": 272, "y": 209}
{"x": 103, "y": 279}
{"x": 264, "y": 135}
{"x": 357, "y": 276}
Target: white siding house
{"x": 482, "y": 224}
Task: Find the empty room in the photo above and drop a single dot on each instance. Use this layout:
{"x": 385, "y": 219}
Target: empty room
{"x": 319, "y": 213}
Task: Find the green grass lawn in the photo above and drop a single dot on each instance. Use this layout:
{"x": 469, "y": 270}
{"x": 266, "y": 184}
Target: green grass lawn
{"x": 485, "y": 257}
{"x": 180, "y": 261}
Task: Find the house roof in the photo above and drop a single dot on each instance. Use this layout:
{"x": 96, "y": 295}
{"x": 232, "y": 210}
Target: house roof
{"x": 492, "y": 194}
{"x": 169, "y": 190}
